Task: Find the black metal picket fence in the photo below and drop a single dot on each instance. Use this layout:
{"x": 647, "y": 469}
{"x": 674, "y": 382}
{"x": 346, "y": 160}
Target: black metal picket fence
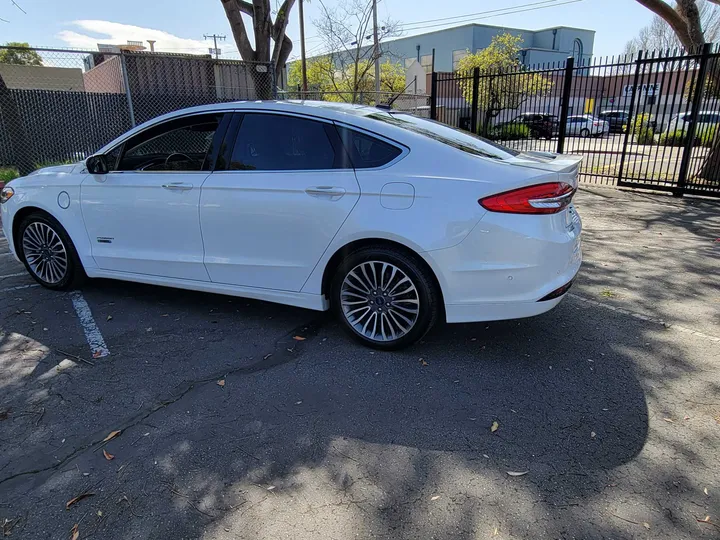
{"x": 648, "y": 121}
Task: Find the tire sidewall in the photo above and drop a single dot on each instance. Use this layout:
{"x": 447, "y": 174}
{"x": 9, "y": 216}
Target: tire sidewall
{"x": 73, "y": 263}
{"x": 428, "y": 297}
{"x": 584, "y": 132}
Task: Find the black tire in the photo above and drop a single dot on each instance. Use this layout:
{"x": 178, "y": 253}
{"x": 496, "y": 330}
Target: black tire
{"x": 584, "y": 132}
{"x": 74, "y": 273}
{"x": 428, "y": 297}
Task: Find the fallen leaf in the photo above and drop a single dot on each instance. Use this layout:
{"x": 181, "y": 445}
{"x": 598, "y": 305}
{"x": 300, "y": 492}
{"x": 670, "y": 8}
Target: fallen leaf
{"x": 74, "y": 534}
{"x": 112, "y": 435}
{"x": 77, "y": 499}
{"x": 607, "y": 293}
{"x": 267, "y": 356}
{"x": 686, "y": 418}
{"x": 494, "y": 427}
{"x": 299, "y": 338}
{"x": 270, "y": 488}
{"x": 434, "y": 497}
{"x": 221, "y": 382}
{"x": 108, "y": 455}
{"x": 99, "y": 512}
{"x": 670, "y": 420}
{"x": 646, "y": 525}
{"x": 705, "y": 491}
{"x": 97, "y": 354}
{"x": 423, "y": 362}
{"x": 298, "y": 402}
{"x": 486, "y": 456}
{"x": 148, "y": 329}
{"x": 496, "y": 531}
{"x": 109, "y": 317}
{"x": 706, "y": 520}
{"x": 513, "y": 473}
{"x": 592, "y": 434}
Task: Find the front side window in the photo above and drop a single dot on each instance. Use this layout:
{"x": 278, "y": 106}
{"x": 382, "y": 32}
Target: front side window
{"x": 182, "y": 144}
{"x": 274, "y": 142}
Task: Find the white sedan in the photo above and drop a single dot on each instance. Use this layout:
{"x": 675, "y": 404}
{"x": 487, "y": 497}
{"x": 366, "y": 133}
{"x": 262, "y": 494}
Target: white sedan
{"x": 391, "y": 220}
{"x": 586, "y": 125}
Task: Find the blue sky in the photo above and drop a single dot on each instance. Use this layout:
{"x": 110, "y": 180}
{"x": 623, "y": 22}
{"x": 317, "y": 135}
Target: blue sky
{"x": 179, "y": 25}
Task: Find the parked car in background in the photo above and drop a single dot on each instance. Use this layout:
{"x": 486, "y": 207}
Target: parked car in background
{"x": 706, "y": 120}
{"x": 541, "y": 125}
{"x": 390, "y": 220}
{"x": 617, "y": 120}
{"x": 586, "y": 125}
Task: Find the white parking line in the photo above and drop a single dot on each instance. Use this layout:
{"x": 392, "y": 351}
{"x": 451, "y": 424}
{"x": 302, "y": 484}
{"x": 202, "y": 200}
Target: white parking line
{"x": 14, "y": 275}
{"x": 9, "y": 289}
{"x": 92, "y": 332}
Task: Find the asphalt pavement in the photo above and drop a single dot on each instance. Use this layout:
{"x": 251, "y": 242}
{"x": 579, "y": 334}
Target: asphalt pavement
{"x": 222, "y": 418}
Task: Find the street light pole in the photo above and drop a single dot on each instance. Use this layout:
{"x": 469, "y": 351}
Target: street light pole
{"x": 377, "y": 51}
{"x": 302, "y": 47}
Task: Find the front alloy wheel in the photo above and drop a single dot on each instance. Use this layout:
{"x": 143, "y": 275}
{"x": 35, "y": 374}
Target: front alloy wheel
{"x": 48, "y": 253}
{"x": 45, "y": 252}
{"x": 385, "y": 298}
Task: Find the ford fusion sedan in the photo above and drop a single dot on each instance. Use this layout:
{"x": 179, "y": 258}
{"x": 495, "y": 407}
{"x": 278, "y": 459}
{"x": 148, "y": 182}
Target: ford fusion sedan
{"x": 392, "y": 221}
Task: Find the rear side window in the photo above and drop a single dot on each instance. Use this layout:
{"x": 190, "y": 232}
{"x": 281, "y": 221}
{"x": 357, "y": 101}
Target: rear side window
{"x": 274, "y": 142}
{"x": 366, "y": 151}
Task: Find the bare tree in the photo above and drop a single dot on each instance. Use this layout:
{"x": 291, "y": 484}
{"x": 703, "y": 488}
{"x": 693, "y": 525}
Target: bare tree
{"x": 685, "y": 20}
{"x": 660, "y": 36}
{"x": 265, "y": 31}
{"x": 344, "y": 29}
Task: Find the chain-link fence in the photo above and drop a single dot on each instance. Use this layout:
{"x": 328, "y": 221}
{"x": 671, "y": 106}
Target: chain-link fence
{"x": 418, "y": 104}
{"x": 59, "y": 106}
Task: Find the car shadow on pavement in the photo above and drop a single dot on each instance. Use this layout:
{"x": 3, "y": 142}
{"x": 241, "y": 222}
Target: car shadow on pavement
{"x": 528, "y": 428}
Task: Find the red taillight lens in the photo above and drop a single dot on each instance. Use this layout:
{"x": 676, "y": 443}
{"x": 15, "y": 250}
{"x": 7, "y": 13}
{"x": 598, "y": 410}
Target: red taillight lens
{"x": 547, "y": 198}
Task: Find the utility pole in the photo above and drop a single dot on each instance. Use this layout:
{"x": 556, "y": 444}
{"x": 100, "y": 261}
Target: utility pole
{"x": 215, "y": 40}
{"x": 377, "y": 51}
{"x": 303, "y": 61}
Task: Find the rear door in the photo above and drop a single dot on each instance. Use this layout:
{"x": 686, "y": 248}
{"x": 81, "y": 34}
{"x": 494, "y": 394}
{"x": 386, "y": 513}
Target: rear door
{"x": 286, "y": 188}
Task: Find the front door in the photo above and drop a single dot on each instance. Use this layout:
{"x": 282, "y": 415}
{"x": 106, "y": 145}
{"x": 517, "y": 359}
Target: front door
{"x": 143, "y": 216}
{"x": 269, "y": 217}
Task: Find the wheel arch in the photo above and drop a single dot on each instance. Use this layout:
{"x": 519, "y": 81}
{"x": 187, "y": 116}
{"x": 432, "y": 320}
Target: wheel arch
{"x": 341, "y": 253}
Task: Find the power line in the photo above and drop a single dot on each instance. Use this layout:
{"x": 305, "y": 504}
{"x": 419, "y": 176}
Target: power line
{"x": 14, "y": 3}
{"x": 493, "y": 13}
{"x": 215, "y": 38}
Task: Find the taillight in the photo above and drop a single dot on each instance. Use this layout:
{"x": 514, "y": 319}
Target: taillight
{"x": 547, "y": 198}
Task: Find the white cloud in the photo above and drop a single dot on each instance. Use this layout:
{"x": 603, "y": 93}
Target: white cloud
{"x": 95, "y": 32}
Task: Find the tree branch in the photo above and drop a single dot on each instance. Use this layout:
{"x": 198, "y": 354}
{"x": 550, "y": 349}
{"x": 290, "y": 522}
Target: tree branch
{"x": 673, "y": 18}
{"x": 278, "y": 33}
{"x": 244, "y": 7}
{"x": 237, "y": 25}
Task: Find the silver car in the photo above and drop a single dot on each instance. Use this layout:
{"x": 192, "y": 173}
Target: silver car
{"x": 586, "y": 125}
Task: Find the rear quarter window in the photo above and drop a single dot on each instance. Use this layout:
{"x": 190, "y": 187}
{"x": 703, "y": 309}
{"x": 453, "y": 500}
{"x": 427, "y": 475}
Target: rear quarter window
{"x": 365, "y": 150}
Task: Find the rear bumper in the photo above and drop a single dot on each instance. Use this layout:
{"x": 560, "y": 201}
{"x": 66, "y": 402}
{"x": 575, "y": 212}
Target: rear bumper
{"x": 507, "y": 265}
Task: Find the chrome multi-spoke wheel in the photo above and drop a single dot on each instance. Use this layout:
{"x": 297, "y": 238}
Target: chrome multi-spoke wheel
{"x": 380, "y": 301}
{"x": 45, "y": 252}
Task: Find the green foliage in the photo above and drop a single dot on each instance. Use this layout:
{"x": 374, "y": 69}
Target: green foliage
{"x": 707, "y": 135}
{"x": 641, "y": 130}
{"x": 509, "y": 132}
{"x": 672, "y": 138}
{"x": 8, "y": 173}
{"x": 18, "y": 57}
{"x": 327, "y": 82}
{"x": 504, "y": 84}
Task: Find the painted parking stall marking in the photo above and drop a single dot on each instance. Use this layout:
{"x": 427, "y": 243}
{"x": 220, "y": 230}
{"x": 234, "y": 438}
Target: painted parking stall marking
{"x": 18, "y": 274}
{"x": 92, "y": 332}
{"x": 18, "y": 287}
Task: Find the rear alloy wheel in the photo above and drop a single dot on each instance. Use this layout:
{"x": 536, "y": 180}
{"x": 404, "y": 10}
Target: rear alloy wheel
{"x": 384, "y": 298}
{"x": 584, "y": 132}
{"x": 48, "y": 253}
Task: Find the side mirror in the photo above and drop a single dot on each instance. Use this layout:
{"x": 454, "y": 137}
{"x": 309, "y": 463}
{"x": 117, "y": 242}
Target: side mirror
{"x": 97, "y": 164}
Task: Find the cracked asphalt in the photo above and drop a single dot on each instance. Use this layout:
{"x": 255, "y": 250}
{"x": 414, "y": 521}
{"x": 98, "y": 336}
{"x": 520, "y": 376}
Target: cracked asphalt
{"x": 609, "y": 405}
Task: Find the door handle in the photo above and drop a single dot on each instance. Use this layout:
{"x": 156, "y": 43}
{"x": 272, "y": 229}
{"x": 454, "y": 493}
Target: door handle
{"x": 325, "y": 191}
{"x": 178, "y": 186}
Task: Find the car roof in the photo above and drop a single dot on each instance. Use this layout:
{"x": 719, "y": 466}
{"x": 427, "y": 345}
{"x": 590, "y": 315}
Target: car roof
{"x": 355, "y": 115}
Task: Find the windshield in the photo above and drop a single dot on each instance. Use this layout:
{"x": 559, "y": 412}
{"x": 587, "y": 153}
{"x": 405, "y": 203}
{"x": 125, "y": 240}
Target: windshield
{"x": 462, "y": 140}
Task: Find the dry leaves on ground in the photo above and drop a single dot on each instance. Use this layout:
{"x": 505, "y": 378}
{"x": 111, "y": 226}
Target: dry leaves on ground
{"x": 494, "y": 427}
{"x": 515, "y": 473}
{"x": 77, "y": 499}
{"x": 434, "y": 497}
{"x": 108, "y": 455}
{"x": 74, "y": 533}
{"x": 221, "y": 382}
{"x": 112, "y": 435}
{"x": 299, "y": 338}
{"x": 423, "y": 362}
